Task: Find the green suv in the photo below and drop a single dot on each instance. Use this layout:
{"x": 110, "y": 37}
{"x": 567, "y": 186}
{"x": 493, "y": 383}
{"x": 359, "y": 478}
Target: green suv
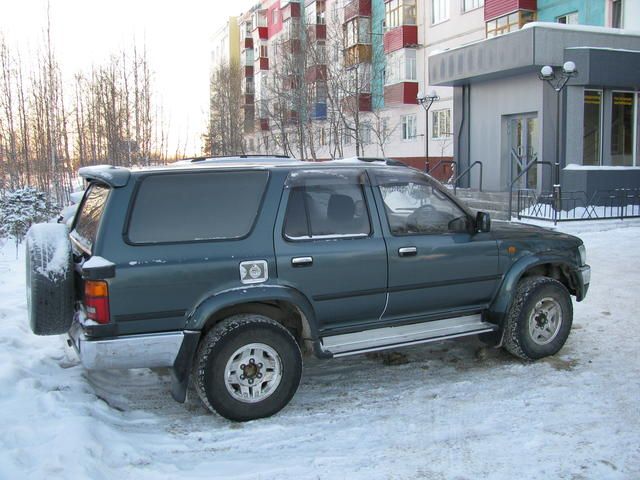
{"x": 230, "y": 270}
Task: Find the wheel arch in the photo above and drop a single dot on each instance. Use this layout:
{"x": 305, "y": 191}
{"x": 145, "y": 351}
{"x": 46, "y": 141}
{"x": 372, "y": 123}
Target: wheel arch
{"x": 546, "y": 266}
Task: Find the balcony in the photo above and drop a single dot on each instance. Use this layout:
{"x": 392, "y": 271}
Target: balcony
{"x": 317, "y": 32}
{"x": 316, "y": 73}
{"x": 356, "y": 54}
{"x": 498, "y": 8}
{"x": 362, "y": 101}
{"x": 400, "y": 37}
{"x": 291, "y": 10}
{"x": 263, "y": 124}
{"x": 248, "y": 100}
{"x": 292, "y": 46}
{"x": 262, "y": 33}
{"x": 247, "y": 44}
{"x": 403, "y": 93}
{"x": 262, "y": 63}
{"x": 248, "y": 71}
{"x": 357, "y": 8}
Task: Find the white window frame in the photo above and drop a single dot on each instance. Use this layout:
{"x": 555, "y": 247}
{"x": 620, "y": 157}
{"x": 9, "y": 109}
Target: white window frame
{"x": 471, "y": 5}
{"x": 436, "y": 133}
{"x": 440, "y": 11}
{"x": 409, "y": 127}
{"x": 568, "y": 16}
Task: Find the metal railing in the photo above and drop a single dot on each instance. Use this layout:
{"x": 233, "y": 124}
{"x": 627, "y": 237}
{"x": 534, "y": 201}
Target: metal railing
{"x": 619, "y": 203}
{"x": 466, "y": 171}
{"x": 524, "y": 171}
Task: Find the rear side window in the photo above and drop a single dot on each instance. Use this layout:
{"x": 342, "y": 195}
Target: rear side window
{"x": 89, "y": 215}
{"x": 326, "y": 207}
{"x": 196, "y": 206}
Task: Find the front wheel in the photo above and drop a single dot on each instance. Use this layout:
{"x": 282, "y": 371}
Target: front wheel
{"x": 539, "y": 319}
{"x": 247, "y": 366}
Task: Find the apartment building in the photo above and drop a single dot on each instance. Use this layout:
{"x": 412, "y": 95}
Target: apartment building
{"x": 385, "y": 50}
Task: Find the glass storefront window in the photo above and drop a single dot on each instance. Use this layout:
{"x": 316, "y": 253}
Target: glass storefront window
{"x": 592, "y": 126}
{"x": 622, "y": 128}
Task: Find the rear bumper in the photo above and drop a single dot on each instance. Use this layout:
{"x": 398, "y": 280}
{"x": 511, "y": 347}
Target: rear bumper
{"x": 151, "y": 350}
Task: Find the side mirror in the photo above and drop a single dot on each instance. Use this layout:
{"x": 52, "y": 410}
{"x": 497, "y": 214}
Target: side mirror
{"x": 483, "y": 222}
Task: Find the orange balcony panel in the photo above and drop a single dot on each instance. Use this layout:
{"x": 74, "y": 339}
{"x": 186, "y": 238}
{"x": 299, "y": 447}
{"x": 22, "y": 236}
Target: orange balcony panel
{"x": 363, "y": 102}
{"x": 248, "y": 71}
{"x": 357, "y": 54}
{"x": 262, "y": 63}
{"x": 403, "y": 93}
{"x": 248, "y": 43}
{"x": 400, "y": 37}
{"x": 264, "y": 124}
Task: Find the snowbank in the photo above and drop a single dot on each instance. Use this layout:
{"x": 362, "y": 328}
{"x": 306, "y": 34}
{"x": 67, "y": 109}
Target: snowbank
{"x": 451, "y": 412}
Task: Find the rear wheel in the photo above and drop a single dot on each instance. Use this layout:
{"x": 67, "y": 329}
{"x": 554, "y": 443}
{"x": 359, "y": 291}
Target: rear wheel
{"x": 539, "y": 319}
{"x": 49, "y": 272}
{"x": 247, "y": 366}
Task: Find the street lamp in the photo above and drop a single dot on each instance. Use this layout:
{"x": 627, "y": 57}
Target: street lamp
{"x": 558, "y": 80}
{"x": 426, "y": 101}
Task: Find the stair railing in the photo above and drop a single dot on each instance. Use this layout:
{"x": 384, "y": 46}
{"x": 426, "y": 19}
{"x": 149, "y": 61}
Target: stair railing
{"x": 525, "y": 170}
{"x": 466, "y": 171}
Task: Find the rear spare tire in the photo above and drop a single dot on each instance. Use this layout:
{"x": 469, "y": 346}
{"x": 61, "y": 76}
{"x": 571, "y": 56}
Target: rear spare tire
{"x": 49, "y": 279}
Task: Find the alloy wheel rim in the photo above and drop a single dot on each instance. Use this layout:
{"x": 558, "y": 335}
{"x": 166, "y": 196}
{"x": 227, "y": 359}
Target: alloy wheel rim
{"x": 253, "y": 372}
{"x": 545, "y": 321}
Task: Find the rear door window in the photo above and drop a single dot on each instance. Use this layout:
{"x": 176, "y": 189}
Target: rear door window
{"x": 197, "y": 206}
{"x": 88, "y": 218}
{"x": 326, "y": 205}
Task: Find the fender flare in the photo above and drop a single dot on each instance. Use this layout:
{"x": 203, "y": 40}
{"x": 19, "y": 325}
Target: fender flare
{"x": 198, "y": 316}
{"x": 504, "y": 294}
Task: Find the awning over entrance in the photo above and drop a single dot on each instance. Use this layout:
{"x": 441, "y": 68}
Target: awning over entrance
{"x": 539, "y": 44}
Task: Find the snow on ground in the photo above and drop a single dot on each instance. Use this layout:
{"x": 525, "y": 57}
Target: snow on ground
{"x": 452, "y": 412}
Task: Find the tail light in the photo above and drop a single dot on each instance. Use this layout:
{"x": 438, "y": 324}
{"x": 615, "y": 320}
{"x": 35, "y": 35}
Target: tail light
{"x": 96, "y": 300}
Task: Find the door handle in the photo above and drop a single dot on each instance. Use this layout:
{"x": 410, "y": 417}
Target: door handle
{"x": 302, "y": 261}
{"x": 407, "y": 251}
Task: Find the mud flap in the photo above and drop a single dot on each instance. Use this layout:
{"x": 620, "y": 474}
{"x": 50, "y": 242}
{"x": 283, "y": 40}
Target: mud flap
{"x": 182, "y": 365}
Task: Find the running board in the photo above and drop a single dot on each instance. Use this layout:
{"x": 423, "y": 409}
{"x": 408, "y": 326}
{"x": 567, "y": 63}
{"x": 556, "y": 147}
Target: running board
{"x": 391, "y": 337}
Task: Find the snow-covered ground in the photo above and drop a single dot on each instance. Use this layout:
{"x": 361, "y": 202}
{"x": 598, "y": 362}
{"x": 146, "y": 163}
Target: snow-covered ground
{"x": 452, "y": 412}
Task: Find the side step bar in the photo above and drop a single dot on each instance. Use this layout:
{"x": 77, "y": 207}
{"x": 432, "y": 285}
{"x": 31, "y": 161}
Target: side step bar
{"x": 392, "y": 337}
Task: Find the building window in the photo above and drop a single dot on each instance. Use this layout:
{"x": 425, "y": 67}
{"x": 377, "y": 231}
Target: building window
{"x": 592, "y": 128}
{"x": 439, "y": 11}
{"x": 409, "y": 127}
{"x": 509, "y": 23}
{"x": 622, "y": 128}
{"x": 472, "y": 5}
{"x": 357, "y": 31}
{"x": 401, "y": 66}
{"x": 616, "y": 13}
{"x": 569, "y": 18}
{"x": 346, "y": 136}
{"x": 364, "y": 133}
{"x": 441, "y": 123}
{"x": 274, "y": 16}
{"x": 400, "y": 12}
{"x": 323, "y": 137}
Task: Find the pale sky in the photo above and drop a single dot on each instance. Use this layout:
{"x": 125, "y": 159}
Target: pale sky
{"x": 177, "y": 35}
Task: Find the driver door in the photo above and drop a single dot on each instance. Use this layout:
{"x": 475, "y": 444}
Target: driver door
{"x": 436, "y": 266}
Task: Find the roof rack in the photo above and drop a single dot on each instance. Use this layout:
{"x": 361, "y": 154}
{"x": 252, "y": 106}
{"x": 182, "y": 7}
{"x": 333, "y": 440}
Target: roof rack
{"x": 213, "y": 157}
{"x": 384, "y": 160}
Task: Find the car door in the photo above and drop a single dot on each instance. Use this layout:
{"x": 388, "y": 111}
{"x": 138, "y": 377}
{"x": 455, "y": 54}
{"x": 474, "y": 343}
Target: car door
{"x": 437, "y": 265}
{"x": 329, "y": 246}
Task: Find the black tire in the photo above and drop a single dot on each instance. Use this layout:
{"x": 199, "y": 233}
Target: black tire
{"x": 517, "y": 338}
{"x": 49, "y": 270}
{"x": 217, "y": 348}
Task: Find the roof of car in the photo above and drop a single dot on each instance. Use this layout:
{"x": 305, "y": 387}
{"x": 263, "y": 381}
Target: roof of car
{"x": 119, "y": 176}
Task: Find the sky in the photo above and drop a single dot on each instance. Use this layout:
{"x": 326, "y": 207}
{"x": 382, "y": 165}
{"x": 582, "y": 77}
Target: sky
{"x": 178, "y": 36}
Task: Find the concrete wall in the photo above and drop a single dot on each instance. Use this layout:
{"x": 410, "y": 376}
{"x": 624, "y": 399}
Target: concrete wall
{"x": 590, "y": 12}
{"x": 490, "y": 105}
